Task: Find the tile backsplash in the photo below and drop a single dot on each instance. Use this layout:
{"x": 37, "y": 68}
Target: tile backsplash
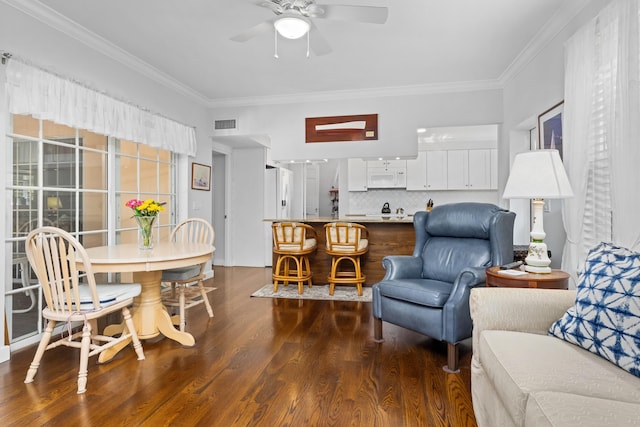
{"x": 370, "y": 202}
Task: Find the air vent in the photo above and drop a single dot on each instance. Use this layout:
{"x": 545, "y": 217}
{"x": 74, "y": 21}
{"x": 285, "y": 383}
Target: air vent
{"x": 228, "y": 124}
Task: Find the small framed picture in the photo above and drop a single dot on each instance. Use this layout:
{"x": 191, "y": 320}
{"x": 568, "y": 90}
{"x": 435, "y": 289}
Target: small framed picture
{"x": 550, "y": 128}
{"x": 200, "y": 177}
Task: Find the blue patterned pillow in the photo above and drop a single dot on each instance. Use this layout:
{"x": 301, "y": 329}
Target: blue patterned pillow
{"x": 606, "y": 317}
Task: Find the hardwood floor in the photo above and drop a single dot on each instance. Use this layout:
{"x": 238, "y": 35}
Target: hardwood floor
{"x": 258, "y": 362}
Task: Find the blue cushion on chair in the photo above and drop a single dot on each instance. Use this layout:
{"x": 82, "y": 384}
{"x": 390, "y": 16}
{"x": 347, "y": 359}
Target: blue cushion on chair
{"x": 606, "y": 317}
{"x": 181, "y": 273}
{"x": 430, "y": 293}
{"x": 108, "y": 294}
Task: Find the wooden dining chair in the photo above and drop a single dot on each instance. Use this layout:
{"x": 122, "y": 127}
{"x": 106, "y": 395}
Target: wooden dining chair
{"x": 60, "y": 262}
{"x": 190, "y": 230}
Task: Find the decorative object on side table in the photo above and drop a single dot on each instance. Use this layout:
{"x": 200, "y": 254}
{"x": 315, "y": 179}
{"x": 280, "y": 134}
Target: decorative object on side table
{"x": 538, "y": 175}
{"x": 145, "y": 213}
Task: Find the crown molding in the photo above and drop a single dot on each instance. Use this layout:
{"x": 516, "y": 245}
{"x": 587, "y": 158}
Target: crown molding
{"x": 55, "y": 20}
{"x": 41, "y": 12}
{"x": 563, "y": 16}
{"x": 342, "y": 95}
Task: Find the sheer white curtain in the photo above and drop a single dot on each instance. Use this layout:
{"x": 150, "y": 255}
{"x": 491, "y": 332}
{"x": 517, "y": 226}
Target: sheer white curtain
{"x": 46, "y": 96}
{"x": 602, "y": 130}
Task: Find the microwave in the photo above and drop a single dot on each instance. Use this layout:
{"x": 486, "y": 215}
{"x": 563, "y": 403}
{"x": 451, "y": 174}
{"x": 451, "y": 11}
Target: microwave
{"x": 389, "y": 177}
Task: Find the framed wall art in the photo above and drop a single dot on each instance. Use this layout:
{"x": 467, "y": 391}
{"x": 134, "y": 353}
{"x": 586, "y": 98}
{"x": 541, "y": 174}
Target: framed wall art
{"x": 200, "y": 177}
{"x": 362, "y": 127}
{"x": 550, "y": 128}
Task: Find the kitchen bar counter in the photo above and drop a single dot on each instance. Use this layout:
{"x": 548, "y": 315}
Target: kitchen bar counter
{"x": 386, "y": 237}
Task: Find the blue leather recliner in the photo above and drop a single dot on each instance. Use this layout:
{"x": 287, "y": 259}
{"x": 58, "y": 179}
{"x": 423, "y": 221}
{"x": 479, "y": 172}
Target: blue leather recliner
{"x": 428, "y": 292}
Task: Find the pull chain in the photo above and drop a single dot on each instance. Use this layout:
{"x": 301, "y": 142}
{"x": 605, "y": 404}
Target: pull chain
{"x": 275, "y": 36}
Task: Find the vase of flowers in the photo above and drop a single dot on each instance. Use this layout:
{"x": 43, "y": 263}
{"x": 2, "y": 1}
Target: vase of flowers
{"x": 145, "y": 212}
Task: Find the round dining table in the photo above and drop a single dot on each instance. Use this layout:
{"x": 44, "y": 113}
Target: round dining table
{"x": 149, "y": 315}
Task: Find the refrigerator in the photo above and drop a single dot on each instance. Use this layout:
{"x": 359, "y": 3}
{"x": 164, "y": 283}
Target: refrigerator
{"x": 277, "y": 200}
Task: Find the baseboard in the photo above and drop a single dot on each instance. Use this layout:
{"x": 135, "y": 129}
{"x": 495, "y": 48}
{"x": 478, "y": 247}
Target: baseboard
{"x": 5, "y": 353}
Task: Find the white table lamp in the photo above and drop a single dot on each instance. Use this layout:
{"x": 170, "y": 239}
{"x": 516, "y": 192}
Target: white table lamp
{"x": 537, "y": 175}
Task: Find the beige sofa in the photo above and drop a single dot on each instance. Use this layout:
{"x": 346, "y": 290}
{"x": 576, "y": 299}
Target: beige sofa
{"x": 522, "y": 377}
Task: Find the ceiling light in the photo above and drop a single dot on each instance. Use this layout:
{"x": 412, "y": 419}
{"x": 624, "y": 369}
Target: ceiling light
{"x": 292, "y": 27}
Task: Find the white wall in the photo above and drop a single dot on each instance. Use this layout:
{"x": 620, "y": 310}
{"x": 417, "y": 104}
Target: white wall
{"x": 398, "y": 119}
{"x": 539, "y": 86}
{"x": 245, "y": 213}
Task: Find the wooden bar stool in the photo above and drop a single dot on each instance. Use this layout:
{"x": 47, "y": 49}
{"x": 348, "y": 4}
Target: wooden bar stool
{"x": 293, "y": 242}
{"x": 346, "y": 241}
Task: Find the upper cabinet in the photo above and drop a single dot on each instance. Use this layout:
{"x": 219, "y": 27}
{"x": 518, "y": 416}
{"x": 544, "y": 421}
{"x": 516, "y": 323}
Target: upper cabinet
{"x": 449, "y": 158}
{"x": 417, "y": 172}
{"x": 469, "y": 169}
{"x": 453, "y": 170}
{"x": 436, "y": 170}
{"x": 357, "y": 178}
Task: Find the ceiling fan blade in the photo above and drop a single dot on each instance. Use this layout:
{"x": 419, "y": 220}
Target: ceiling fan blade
{"x": 276, "y": 8}
{"x": 367, "y": 14}
{"x": 250, "y": 33}
{"x": 319, "y": 45}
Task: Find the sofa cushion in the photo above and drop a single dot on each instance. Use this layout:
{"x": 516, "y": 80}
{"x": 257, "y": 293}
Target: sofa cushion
{"x": 606, "y": 317}
{"x": 549, "y": 408}
{"x": 519, "y": 364}
{"x": 431, "y": 293}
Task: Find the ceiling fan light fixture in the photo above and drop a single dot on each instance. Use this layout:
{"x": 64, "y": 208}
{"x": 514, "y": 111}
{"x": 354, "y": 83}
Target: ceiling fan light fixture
{"x": 292, "y": 27}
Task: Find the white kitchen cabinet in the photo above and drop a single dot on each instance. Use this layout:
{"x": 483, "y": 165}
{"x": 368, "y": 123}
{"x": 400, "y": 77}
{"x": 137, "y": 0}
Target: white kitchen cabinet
{"x": 357, "y": 175}
{"x": 417, "y": 173}
{"x": 469, "y": 169}
{"x": 479, "y": 163}
{"x": 436, "y": 169}
{"x": 457, "y": 169}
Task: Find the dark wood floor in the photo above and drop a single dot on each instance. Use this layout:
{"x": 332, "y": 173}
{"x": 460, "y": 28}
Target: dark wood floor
{"x": 258, "y": 362}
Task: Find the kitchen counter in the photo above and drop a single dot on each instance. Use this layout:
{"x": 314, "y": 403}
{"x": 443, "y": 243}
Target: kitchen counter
{"x": 348, "y": 218}
{"x": 386, "y": 237}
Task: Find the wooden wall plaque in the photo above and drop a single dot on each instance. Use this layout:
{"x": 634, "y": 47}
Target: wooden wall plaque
{"x": 342, "y": 128}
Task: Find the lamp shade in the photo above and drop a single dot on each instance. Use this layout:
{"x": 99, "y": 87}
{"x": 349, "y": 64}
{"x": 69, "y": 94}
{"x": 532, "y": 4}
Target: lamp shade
{"x": 292, "y": 27}
{"x": 538, "y": 174}
{"x": 54, "y": 203}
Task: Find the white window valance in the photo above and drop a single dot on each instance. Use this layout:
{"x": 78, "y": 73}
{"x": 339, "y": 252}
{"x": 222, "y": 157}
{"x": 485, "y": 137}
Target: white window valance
{"x": 33, "y": 91}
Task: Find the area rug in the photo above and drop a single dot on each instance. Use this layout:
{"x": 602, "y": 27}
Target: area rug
{"x": 318, "y": 292}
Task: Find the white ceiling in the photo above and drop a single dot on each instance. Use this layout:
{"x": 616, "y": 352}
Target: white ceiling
{"x": 424, "y": 44}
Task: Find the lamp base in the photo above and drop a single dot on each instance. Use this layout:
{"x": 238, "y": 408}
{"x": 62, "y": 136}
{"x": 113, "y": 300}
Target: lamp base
{"x": 534, "y": 269}
{"x": 537, "y": 260}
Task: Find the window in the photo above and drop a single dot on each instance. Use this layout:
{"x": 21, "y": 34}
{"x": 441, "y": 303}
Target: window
{"x": 65, "y": 177}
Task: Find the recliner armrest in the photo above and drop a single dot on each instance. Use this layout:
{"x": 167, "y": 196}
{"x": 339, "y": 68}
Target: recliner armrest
{"x": 456, "y": 309}
{"x": 402, "y": 267}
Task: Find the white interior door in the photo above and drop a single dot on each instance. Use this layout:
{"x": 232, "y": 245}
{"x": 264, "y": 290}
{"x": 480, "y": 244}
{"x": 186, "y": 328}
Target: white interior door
{"x": 312, "y": 190}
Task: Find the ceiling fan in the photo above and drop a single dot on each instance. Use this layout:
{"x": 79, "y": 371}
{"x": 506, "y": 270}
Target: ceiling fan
{"x": 294, "y": 19}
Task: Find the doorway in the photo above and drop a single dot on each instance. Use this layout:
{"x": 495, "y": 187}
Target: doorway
{"x": 219, "y": 199}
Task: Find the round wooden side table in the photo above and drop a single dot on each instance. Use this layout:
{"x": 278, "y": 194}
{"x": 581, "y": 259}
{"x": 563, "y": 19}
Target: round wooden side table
{"x": 557, "y": 279}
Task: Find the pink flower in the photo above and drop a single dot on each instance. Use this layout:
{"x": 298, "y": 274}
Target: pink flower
{"x": 133, "y": 203}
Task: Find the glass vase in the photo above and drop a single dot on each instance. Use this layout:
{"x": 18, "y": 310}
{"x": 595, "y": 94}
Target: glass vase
{"x": 145, "y": 236}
